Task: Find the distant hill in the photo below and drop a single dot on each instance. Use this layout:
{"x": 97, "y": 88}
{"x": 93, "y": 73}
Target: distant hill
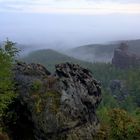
{"x": 49, "y": 58}
{"x": 101, "y": 52}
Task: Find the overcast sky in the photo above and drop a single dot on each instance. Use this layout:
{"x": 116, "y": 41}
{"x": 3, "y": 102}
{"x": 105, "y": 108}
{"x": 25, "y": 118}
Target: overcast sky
{"x": 69, "y": 22}
{"x": 71, "y": 6}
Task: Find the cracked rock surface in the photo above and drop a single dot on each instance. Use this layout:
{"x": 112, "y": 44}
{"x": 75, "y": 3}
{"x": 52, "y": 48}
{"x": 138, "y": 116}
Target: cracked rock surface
{"x": 60, "y": 105}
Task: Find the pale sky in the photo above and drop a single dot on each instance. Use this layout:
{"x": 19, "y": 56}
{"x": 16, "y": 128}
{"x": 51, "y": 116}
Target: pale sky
{"x": 69, "y": 23}
{"x": 71, "y": 6}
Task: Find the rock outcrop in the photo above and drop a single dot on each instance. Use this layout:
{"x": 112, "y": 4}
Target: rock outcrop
{"x": 124, "y": 59}
{"x": 119, "y": 89}
{"x": 60, "y": 105}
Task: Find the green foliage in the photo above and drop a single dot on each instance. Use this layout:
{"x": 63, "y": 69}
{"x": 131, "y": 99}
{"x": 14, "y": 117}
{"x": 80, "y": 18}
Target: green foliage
{"x": 7, "y": 94}
{"x": 38, "y": 103}
{"x": 49, "y": 58}
{"x": 106, "y": 72}
{"x": 128, "y": 104}
{"x": 10, "y": 48}
{"x": 117, "y": 124}
{"x": 133, "y": 82}
{"x": 108, "y": 100}
{"x": 103, "y": 115}
{"x": 111, "y": 123}
{"x": 36, "y": 85}
{"x": 54, "y": 100}
{"x": 51, "y": 99}
{"x": 123, "y": 126}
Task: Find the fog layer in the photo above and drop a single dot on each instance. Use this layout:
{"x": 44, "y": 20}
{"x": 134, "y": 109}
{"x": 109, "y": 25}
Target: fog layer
{"x": 66, "y": 31}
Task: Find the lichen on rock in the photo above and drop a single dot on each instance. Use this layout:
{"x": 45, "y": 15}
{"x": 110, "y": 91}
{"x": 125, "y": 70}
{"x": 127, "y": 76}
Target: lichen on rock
{"x": 61, "y": 105}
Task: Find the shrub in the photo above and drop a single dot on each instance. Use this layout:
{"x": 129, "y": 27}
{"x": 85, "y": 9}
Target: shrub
{"x": 7, "y": 94}
{"x": 123, "y": 127}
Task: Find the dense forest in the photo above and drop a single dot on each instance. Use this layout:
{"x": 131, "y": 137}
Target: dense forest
{"x": 8, "y": 95}
{"x": 119, "y": 111}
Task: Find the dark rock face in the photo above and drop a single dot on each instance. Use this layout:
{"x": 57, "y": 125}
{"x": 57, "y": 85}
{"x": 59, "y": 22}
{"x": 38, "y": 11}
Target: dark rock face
{"x": 62, "y": 105}
{"x": 118, "y": 89}
{"x": 124, "y": 59}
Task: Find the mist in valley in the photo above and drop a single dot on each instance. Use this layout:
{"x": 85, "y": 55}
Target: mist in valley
{"x": 69, "y": 69}
{"x": 65, "y": 31}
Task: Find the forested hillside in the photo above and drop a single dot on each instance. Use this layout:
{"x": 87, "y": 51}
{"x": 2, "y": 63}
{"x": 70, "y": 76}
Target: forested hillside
{"x": 69, "y": 70}
{"x": 118, "y": 112}
{"x": 102, "y": 52}
{"x": 49, "y": 58}
{"x": 121, "y": 93}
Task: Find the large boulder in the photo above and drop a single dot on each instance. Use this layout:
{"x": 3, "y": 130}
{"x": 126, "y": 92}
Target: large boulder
{"x": 60, "y": 105}
{"x": 124, "y": 59}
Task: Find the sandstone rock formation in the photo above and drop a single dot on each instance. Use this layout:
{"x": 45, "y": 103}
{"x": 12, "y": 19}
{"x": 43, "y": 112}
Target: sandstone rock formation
{"x": 124, "y": 59}
{"x": 60, "y": 105}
